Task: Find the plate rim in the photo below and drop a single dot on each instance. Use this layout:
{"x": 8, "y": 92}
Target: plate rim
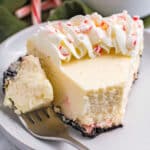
{"x": 9, "y": 136}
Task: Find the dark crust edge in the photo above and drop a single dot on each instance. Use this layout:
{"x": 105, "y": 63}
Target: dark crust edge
{"x": 96, "y": 131}
{"x": 11, "y": 72}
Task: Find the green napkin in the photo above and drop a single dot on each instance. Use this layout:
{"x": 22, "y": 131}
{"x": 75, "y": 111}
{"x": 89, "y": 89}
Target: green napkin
{"x": 12, "y": 5}
{"x": 9, "y": 24}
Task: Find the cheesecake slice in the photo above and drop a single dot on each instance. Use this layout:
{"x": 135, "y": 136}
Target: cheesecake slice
{"x": 26, "y": 86}
{"x": 92, "y": 62}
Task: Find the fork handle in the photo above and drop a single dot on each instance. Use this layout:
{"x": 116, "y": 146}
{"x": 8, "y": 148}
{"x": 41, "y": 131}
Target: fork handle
{"x": 68, "y": 139}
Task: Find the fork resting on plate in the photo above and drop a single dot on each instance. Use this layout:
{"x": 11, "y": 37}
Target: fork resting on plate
{"x": 44, "y": 124}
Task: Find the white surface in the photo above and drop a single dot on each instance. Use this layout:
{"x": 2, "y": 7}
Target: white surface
{"x": 5, "y": 144}
{"x": 134, "y": 135}
{"x": 108, "y": 7}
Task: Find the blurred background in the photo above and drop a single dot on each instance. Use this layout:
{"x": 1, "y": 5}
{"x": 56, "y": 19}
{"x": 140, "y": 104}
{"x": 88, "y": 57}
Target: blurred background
{"x": 16, "y": 15}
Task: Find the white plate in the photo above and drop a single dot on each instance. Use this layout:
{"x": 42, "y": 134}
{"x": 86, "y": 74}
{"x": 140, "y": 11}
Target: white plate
{"x": 134, "y": 135}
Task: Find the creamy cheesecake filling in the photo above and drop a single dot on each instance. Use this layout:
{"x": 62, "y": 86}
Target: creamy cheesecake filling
{"x": 104, "y": 71}
{"x": 92, "y": 92}
{"x": 29, "y": 89}
{"x": 91, "y": 62}
{"x": 104, "y": 107}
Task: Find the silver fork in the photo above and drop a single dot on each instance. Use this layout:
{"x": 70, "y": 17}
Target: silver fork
{"x": 45, "y": 125}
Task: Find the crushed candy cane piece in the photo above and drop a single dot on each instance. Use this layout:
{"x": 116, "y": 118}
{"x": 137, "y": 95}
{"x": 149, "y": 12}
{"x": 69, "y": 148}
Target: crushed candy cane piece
{"x": 122, "y": 17}
{"x": 85, "y": 21}
{"x": 69, "y": 24}
{"x": 60, "y": 28}
{"x": 98, "y": 49}
{"x": 104, "y": 25}
{"x": 109, "y": 122}
{"x": 135, "y": 18}
{"x": 85, "y": 28}
{"x": 60, "y": 47}
{"x": 89, "y": 128}
{"x": 124, "y": 28}
{"x": 134, "y": 42}
{"x": 63, "y": 51}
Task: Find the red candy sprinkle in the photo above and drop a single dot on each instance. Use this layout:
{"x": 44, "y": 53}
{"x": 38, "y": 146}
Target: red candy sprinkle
{"x": 98, "y": 49}
{"x": 65, "y": 54}
{"x": 60, "y": 47}
{"x": 90, "y": 28}
{"x": 84, "y": 29}
{"x": 135, "y": 18}
{"x": 69, "y": 41}
{"x": 139, "y": 26}
{"x": 77, "y": 31}
{"x": 51, "y": 32}
{"x": 62, "y": 51}
{"x": 66, "y": 100}
{"x": 124, "y": 28}
{"x": 68, "y": 24}
{"x": 85, "y": 21}
{"x": 133, "y": 34}
{"x": 122, "y": 17}
{"x": 134, "y": 42}
{"x": 88, "y": 128}
{"x": 104, "y": 25}
{"x": 60, "y": 26}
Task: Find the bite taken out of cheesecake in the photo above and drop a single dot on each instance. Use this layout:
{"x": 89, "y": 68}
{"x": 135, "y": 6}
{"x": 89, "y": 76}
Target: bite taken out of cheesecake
{"x": 26, "y": 86}
{"x": 92, "y": 62}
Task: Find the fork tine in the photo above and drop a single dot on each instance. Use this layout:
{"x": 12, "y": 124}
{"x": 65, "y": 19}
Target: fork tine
{"x": 42, "y": 115}
{"x": 33, "y": 117}
{"x": 45, "y": 124}
{"x": 50, "y": 112}
{"x": 27, "y": 118}
{"x": 46, "y": 113}
{"x": 39, "y": 116}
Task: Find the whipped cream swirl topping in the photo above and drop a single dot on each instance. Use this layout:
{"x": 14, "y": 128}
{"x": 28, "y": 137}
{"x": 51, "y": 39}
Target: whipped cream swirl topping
{"x": 92, "y": 34}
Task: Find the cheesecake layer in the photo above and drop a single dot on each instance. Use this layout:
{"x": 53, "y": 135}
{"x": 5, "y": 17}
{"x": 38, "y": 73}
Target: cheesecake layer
{"x": 92, "y": 92}
{"x": 91, "y": 62}
{"x": 26, "y": 85}
{"x": 106, "y": 81}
